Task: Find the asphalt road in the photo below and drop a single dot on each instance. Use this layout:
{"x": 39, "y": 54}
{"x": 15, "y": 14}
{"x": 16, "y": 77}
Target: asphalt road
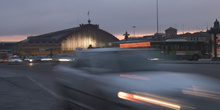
{"x": 29, "y": 87}
{"x": 32, "y": 86}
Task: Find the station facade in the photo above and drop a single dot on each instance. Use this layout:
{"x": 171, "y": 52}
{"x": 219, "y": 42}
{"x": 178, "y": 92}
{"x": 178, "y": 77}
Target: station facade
{"x": 66, "y": 41}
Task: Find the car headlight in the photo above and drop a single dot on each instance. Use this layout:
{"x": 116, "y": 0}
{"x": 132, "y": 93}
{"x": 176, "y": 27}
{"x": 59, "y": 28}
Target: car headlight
{"x": 63, "y": 59}
{"x": 48, "y": 59}
{"x": 136, "y": 97}
{"x": 153, "y": 59}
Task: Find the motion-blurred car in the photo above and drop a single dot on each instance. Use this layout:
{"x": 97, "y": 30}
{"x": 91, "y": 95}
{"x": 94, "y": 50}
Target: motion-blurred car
{"x": 35, "y": 59}
{"x": 15, "y": 60}
{"x": 64, "y": 58}
{"x": 46, "y": 59}
{"x": 126, "y": 79}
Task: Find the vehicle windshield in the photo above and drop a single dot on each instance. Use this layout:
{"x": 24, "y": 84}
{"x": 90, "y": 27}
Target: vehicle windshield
{"x": 119, "y": 61}
{"x": 133, "y": 61}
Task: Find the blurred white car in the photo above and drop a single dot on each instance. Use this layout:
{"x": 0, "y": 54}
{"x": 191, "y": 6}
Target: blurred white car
{"x": 126, "y": 79}
{"x": 64, "y": 57}
{"x": 15, "y": 60}
{"x": 46, "y": 59}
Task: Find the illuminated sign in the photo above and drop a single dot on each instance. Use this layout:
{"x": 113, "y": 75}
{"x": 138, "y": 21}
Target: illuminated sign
{"x": 139, "y": 44}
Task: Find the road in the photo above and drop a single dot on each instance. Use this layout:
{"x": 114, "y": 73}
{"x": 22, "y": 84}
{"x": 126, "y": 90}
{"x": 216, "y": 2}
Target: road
{"x": 32, "y": 86}
{"x": 29, "y": 87}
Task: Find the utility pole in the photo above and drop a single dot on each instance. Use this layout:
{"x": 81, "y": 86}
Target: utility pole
{"x": 157, "y": 16}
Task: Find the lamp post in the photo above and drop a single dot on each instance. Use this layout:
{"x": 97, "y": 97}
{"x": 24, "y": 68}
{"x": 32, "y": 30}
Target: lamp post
{"x": 215, "y": 30}
{"x": 134, "y": 29}
{"x": 157, "y": 16}
{"x": 156, "y": 35}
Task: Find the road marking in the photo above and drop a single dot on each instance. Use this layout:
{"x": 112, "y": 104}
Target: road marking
{"x": 42, "y": 86}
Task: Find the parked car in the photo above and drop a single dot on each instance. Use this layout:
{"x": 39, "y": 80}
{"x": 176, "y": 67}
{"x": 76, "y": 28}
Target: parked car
{"x": 14, "y": 60}
{"x": 127, "y": 79}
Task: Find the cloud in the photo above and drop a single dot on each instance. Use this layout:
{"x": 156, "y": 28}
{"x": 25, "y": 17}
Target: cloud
{"x": 34, "y": 17}
{"x": 12, "y": 38}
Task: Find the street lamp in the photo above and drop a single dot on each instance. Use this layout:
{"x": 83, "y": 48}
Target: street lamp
{"x": 134, "y": 29}
{"x": 215, "y": 30}
{"x": 157, "y": 16}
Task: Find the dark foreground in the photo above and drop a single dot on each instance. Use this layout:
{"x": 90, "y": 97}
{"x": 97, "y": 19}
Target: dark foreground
{"x": 21, "y": 93}
{"x": 33, "y": 86}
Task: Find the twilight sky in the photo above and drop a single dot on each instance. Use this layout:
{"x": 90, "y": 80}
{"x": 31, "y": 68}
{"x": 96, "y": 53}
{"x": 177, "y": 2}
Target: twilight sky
{"x": 22, "y": 18}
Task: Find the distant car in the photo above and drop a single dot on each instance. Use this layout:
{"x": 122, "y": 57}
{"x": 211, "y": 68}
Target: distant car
{"x": 33, "y": 59}
{"x": 3, "y": 57}
{"x": 127, "y": 79}
{"x": 15, "y": 60}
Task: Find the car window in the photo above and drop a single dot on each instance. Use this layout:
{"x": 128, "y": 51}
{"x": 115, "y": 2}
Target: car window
{"x": 84, "y": 60}
{"x": 134, "y": 61}
{"x": 105, "y": 62}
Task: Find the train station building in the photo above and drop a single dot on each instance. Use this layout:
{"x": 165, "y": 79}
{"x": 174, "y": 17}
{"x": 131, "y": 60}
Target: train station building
{"x": 67, "y": 40}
